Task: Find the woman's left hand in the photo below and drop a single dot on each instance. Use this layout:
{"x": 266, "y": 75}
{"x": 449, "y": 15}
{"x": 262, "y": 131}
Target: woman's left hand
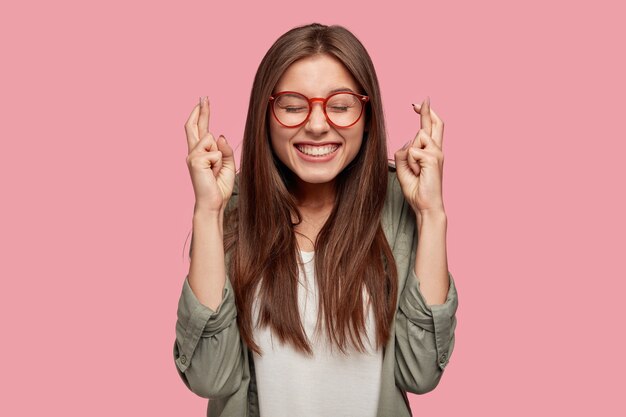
{"x": 419, "y": 164}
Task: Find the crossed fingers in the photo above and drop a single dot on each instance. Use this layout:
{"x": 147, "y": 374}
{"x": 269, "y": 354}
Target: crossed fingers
{"x": 430, "y": 123}
{"x": 197, "y": 125}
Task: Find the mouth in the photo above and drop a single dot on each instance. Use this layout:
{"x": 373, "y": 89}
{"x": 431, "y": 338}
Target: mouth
{"x": 317, "y": 151}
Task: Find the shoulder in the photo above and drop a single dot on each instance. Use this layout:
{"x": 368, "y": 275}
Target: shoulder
{"x": 393, "y": 185}
{"x": 394, "y": 202}
{"x": 234, "y": 198}
{"x": 396, "y": 211}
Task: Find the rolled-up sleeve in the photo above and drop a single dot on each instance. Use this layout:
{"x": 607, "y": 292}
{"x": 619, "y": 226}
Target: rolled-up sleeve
{"x": 424, "y": 334}
{"x": 208, "y": 349}
{"x": 424, "y": 337}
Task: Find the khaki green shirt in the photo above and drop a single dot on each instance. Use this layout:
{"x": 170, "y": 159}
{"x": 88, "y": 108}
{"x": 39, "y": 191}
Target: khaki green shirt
{"x": 214, "y": 362}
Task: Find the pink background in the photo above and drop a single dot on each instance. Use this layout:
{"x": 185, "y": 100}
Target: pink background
{"x": 97, "y": 199}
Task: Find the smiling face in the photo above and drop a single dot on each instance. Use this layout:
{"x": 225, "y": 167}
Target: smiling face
{"x": 317, "y": 151}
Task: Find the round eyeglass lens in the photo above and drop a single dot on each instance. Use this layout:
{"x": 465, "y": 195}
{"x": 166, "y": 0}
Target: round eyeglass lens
{"x": 291, "y": 109}
{"x": 342, "y": 109}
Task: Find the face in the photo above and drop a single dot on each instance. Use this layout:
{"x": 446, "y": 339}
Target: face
{"x": 316, "y": 151}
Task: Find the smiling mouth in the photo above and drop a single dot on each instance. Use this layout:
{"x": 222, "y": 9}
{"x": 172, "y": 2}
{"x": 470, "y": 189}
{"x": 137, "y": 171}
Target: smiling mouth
{"x": 317, "y": 150}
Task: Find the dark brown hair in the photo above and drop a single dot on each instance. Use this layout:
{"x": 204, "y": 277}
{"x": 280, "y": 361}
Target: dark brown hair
{"x": 351, "y": 251}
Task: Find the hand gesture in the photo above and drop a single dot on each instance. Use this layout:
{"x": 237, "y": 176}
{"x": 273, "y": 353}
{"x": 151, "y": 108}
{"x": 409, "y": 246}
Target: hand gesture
{"x": 211, "y": 162}
{"x": 419, "y": 164}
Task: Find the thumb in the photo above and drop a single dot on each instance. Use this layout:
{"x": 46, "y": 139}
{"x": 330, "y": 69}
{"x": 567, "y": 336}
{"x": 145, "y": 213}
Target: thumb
{"x": 228, "y": 156}
{"x": 413, "y": 161}
{"x": 403, "y": 171}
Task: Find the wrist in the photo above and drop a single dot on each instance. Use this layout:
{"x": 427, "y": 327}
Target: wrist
{"x": 436, "y": 213}
{"x": 206, "y": 210}
{"x": 431, "y": 216}
{"x": 204, "y": 215}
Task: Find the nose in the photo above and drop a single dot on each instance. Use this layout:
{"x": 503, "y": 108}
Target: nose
{"x": 317, "y": 123}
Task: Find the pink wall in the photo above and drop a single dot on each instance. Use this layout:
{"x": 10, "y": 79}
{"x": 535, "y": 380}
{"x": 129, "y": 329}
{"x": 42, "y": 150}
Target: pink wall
{"x": 98, "y": 200}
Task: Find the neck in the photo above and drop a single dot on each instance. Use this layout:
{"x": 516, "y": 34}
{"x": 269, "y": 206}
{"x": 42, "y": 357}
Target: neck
{"x": 315, "y": 196}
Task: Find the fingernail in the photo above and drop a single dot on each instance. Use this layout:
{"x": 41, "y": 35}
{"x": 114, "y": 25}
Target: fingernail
{"x": 200, "y": 101}
{"x": 224, "y": 137}
{"x": 406, "y": 144}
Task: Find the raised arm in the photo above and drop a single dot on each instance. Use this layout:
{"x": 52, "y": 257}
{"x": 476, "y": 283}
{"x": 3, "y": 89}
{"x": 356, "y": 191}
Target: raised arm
{"x": 426, "y": 317}
{"x": 424, "y": 332}
{"x": 208, "y": 350}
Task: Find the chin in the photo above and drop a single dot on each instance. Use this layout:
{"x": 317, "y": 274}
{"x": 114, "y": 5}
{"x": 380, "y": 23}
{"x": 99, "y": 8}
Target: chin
{"x": 316, "y": 179}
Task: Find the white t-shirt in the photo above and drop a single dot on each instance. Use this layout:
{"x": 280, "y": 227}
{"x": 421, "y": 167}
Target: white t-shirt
{"x": 291, "y": 384}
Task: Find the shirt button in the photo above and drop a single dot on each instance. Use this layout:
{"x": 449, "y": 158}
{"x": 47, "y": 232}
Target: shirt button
{"x": 183, "y": 359}
{"x": 442, "y": 359}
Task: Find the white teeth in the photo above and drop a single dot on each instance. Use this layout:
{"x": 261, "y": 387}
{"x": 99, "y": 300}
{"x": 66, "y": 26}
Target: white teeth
{"x": 317, "y": 150}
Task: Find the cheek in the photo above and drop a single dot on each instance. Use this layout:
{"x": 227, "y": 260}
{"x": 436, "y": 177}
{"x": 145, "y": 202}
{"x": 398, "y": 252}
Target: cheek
{"x": 356, "y": 142}
{"x": 278, "y": 140}
{"x": 356, "y": 149}
{"x": 280, "y": 146}
{"x": 277, "y": 135}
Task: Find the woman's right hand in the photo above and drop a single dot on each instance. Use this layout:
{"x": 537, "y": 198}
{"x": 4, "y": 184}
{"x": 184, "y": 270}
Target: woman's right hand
{"x": 211, "y": 162}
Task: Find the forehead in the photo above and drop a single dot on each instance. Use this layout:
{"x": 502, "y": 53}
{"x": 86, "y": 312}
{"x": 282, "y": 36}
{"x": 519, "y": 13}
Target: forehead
{"x": 316, "y": 76}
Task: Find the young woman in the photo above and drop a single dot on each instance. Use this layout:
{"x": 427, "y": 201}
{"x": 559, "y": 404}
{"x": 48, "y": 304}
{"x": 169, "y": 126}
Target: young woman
{"x": 318, "y": 283}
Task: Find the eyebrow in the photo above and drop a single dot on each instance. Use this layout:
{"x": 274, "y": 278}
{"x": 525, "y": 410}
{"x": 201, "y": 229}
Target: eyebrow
{"x": 336, "y": 90}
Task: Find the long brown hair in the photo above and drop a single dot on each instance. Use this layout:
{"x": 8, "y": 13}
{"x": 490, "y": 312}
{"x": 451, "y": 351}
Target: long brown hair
{"x": 351, "y": 250}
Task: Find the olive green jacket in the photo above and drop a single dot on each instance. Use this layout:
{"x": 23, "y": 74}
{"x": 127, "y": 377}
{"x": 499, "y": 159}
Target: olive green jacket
{"x": 214, "y": 362}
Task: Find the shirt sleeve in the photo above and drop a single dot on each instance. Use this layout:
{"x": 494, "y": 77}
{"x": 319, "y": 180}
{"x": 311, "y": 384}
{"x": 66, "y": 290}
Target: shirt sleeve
{"x": 208, "y": 349}
{"x": 424, "y": 337}
{"x": 424, "y": 334}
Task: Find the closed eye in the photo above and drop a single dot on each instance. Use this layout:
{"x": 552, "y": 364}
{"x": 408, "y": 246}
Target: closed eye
{"x": 293, "y": 109}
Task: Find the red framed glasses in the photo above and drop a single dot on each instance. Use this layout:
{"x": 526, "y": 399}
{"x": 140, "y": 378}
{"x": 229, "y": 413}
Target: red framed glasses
{"x": 293, "y": 109}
